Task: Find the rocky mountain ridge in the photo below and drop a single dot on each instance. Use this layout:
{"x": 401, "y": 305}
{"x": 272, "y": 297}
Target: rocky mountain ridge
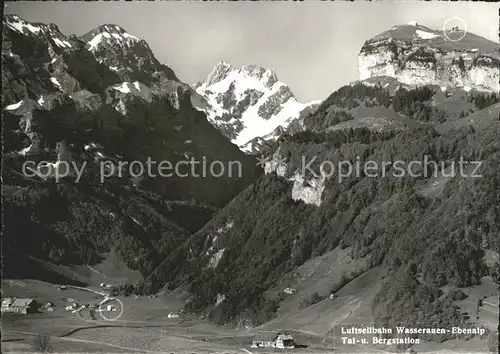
{"x": 106, "y": 73}
{"x": 417, "y": 55}
{"x": 126, "y": 55}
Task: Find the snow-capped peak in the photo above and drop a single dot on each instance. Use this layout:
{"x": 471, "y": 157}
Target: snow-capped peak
{"x": 218, "y": 73}
{"x": 125, "y": 54}
{"x": 266, "y": 76}
{"x": 17, "y": 24}
{"x": 48, "y": 31}
{"x": 112, "y": 34}
{"x": 248, "y": 102}
{"x": 223, "y": 69}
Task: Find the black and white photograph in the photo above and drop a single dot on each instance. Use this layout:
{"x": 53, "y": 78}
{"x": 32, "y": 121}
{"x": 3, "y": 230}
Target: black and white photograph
{"x": 250, "y": 177}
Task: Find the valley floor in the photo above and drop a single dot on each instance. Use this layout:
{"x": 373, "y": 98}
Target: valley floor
{"x": 146, "y": 328}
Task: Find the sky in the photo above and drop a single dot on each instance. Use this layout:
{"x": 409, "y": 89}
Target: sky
{"x": 312, "y": 46}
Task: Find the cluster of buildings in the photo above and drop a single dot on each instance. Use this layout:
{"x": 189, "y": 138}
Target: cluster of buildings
{"x": 29, "y": 305}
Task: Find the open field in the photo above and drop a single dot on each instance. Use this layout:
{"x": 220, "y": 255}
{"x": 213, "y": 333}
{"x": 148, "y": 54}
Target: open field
{"x": 109, "y": 270}
{"x": 310, "y": 327}
{"x": 479, "y": 120}
{"x": 14, "y": 342}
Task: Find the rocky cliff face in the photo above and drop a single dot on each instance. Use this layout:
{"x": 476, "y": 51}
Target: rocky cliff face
{"x": 416, "y": 55}
{"x": 248, "y": 105}
{"x": 308, "y": 190}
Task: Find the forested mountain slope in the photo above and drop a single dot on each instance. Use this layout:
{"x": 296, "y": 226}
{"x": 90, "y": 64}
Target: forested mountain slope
{"x": 429, "y": 230}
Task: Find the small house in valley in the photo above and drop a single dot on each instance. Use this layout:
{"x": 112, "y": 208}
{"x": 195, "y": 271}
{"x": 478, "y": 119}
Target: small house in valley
{"x": 19, "y": 305}
{"x": 273, "y": 340}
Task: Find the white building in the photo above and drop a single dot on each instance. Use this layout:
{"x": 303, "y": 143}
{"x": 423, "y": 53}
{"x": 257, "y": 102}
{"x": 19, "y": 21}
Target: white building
{"x": 273, "y": 340}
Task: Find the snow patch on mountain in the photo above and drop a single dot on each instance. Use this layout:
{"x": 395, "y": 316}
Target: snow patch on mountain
{"x": 26, "y": 151}
{"x": 111, "y": 34}
{"x": 124, "y": 87}
{"x": 56, "y": 41}
{"x": 137, "y": 88}
{"x": 92, "y": 147}
{"x": 255, "y": 125}
{"x": 426, "y": 35}
{"x": 19, "y": 25}
{"x": 55, "y": 82}
{"x": 14, "y": 106}
{"x": 62, "y": 43}
{"x": 95, "y": 41}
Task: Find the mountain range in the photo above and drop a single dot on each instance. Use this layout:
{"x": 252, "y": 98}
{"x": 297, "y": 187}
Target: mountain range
{"x": 85, "y": 100}
{"x": 401, "y": 247}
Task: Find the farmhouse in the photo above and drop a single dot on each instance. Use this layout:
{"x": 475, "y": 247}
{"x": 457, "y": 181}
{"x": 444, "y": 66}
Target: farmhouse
{"x": 273, "y": 340}
{"x": 23, "y": 306}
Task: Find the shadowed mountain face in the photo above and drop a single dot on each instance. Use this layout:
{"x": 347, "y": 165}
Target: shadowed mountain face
{"x": 126, "y": 54}
{"x": 107, "y": 87}
{"x": 104, "y": 98}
